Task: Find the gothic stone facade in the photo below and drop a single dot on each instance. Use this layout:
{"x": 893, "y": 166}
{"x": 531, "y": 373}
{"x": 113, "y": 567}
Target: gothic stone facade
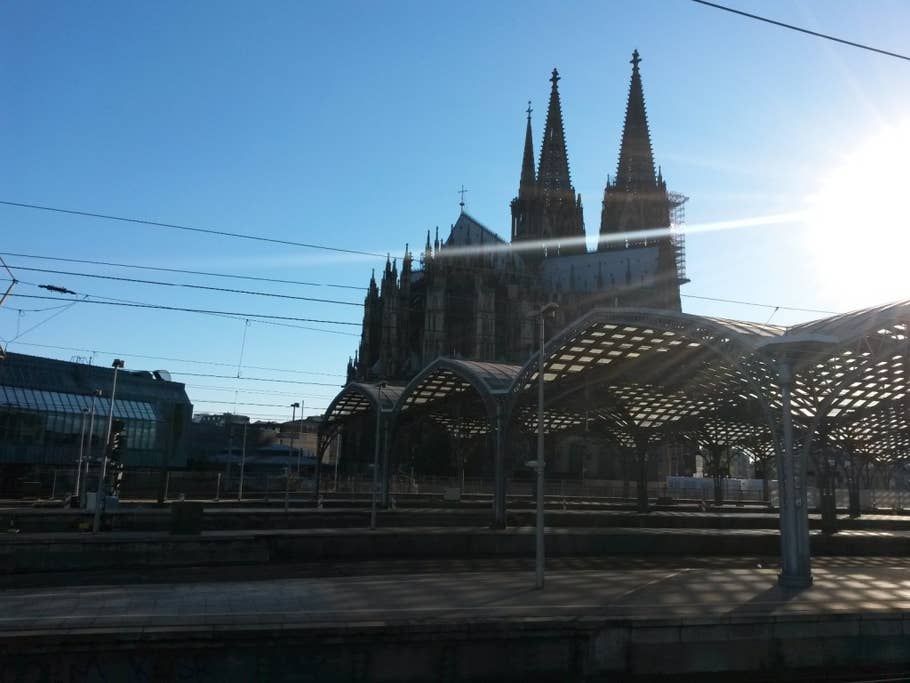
{"x": 474, "y": 294}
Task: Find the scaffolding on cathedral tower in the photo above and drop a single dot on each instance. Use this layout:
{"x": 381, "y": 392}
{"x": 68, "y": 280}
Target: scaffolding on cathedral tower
{"x": 677, "y": 231}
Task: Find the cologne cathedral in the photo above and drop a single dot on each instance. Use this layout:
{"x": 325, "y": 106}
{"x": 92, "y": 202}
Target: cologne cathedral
{"x": 472, "y": 295}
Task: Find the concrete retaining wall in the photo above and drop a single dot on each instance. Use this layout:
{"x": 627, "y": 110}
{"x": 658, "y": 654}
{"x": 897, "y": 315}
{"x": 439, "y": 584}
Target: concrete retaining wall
{"x": 509, "y": 650}
{"x": 71, "y": 552}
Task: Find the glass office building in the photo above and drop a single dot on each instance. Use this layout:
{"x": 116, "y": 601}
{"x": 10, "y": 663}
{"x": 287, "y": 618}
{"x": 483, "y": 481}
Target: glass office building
{"x": 46, "y": 406}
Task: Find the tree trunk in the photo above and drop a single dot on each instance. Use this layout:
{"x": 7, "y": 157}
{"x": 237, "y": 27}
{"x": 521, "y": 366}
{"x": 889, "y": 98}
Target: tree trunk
{"x": 828, "y": 501}
{"x": 853, "y": 489}
{"x": 717, "y": 455}
{"x": 626, "y": 466}
{"x": 642, "y": 461}
{"x": 718, "y": 489}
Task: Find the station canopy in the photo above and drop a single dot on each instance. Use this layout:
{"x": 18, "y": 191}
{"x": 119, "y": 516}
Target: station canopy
{"x": 357, "y": 399}
{"x": 459, "y": 395}
{"x": 638, "y": 374}
{"x": 641, "y": 376}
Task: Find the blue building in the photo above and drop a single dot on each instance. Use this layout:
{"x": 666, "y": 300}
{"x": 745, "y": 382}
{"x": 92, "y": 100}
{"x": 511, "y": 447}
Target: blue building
{"x": 46, "y": 407}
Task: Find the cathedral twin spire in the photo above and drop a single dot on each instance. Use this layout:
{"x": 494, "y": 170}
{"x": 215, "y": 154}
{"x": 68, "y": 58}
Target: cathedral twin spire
{"x": 528, "y": 180}
{"x": 553, "y": 172}
{"x": 547, "y": 209}
{"x": 636, "y": 199}
{"x": 635, "y": 168}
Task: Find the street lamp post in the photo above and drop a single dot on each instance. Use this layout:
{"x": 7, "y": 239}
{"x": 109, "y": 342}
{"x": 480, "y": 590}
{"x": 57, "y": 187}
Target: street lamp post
{"x": 379, "y": 388}
{"x": 99, "y": 497}
{"x": 81, "y": 452}
{"x": 242, "y": 462}
{"x": 539, "y": 561}
{"x": 88, "y": 450}
{"x": 287, "y": 469}
{"x": 294, "y": 407}
{"x": 300, "y": 450}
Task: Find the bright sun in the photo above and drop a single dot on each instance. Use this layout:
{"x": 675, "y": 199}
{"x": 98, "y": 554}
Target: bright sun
{"x": 859, "y": 223}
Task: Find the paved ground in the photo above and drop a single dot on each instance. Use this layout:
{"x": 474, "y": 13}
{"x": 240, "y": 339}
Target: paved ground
{"x": 410, "y": 566}
{"x": 448, "y": 591}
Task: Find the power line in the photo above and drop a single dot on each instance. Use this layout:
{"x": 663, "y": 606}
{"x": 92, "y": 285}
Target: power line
{"x": 267, "y": 417}
{"x": 191, "y": 286}
{"x": 258, "y": 405}
{"x": 752, "y": 303}
{"x": 178, "y": 360}
{"x": 802, "y": 30}
{"x": 241, "y": 317}
{"x": 6, "y": 268}
{"x": 34, "y": 310}
{"x": 162, "y": 269}
{"x": 263, "y": 392}
{"x": 160, "y": 307}
{"x": 255, "y": 379}
{"x": 63, "y": 309}
{"x": 188, "y": 228}
{"x": 303, "y": 327}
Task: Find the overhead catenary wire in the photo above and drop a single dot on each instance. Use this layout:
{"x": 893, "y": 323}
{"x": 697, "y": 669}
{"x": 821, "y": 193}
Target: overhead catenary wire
{"x": 189, "y": 228}
{"x": 258, "y": 405}
{"x": 182, "y": 271}
{"x": 173, "y": 359}
{"x": 255, "y": 379}
{"x": 268, "y": 417}
{"x": 63, "y": 309}
{"x": 753, "y": 303}
{"x": 162, "y": 283}
{"x": 35, "y": 310}
{"x": 234, "y": 377}
{"x": 262, "y": 392}
{"x": 230, "y": 316}
{"x": 800, "y": 29}
{"x": 6, "y": 268}
{"x": 183, "y": 309}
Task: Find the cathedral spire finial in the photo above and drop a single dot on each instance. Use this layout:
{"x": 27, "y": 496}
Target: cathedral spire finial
{"x": 553, "y": 171}
{"x": 461, "y": 192}
{"x": 636, "y": 161}
{"x": 528, "y": 180}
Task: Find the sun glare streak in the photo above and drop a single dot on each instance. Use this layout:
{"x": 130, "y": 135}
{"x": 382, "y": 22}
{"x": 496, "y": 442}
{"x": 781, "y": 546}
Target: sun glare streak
{"x": 858, "y": 222}
{"x": 622, "y": 237}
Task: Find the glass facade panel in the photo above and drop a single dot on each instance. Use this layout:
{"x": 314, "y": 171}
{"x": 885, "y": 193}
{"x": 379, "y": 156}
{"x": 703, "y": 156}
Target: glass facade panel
{"x": 73, "y": 404}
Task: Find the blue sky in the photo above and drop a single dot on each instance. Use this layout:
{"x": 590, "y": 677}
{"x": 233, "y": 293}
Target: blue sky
{"x": 354, "y": 125}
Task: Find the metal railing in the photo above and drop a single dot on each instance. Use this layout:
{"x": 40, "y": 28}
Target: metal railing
{"x": 147, "y": 484}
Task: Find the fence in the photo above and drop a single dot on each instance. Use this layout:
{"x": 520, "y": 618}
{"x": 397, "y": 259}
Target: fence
{"x": 147, "y": 484}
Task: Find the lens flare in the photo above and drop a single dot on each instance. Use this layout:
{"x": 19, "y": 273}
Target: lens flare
{"x": 858, "y": 223}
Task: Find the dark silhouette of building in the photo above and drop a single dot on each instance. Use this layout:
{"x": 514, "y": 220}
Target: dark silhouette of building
{"x": 46, "y": 413}
{"x": 474, "y": 294}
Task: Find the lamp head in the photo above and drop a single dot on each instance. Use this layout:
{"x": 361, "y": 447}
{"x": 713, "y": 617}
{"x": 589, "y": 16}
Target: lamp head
{"x": 117, "y": 363}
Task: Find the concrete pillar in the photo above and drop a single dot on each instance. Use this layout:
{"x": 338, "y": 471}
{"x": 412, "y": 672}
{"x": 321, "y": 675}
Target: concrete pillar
{"x": 386, "y": 462}
{"x": 499, "y": 472}
{"x": 796, "y": 571}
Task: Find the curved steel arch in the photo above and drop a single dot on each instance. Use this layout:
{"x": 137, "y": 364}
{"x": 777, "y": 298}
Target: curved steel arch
{"x": 491, "y": 381}
{"x": 639, "y": 338}
{"x": 357, "y": 398}
{"x": 445, "y": 377}
{"x": 354, "y": 399}
{"x": 749, "y": 337}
